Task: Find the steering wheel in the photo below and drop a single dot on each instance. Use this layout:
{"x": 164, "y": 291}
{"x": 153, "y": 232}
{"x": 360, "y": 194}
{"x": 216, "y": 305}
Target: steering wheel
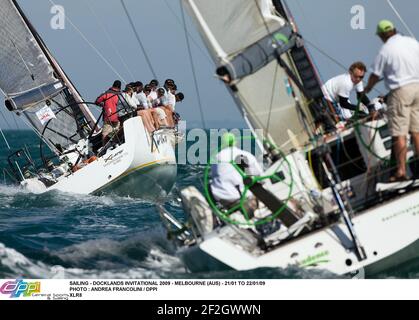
{"x": 249, "y": 182}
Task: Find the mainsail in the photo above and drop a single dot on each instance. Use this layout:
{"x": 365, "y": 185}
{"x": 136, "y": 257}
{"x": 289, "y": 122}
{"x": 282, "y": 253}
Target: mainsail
{"x": 34, "y": 85}
{"x": 246, "y": 39}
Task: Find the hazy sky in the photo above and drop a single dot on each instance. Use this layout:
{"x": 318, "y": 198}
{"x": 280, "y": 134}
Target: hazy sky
{"x": 325, "y": 23}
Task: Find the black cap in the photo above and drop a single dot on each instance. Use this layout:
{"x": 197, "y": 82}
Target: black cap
{"x": 154, "y": 82}
{"x": 180, "y": 96}
{"x": 117, "y": 84}
{"x": 138, "y": 84}
{"x": 147, "y": 88}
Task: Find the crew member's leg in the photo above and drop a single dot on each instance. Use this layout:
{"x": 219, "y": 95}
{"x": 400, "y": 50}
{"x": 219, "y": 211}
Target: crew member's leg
{"x": 169, "y": 118}
{"x": 400, "y": 149}
{"x": 414, "y": 120}
{"x": 160, "y": 117}
{"x": 147, "y": 120}
{"x": 106, "y": 131}
{"x": 400, "y": 115}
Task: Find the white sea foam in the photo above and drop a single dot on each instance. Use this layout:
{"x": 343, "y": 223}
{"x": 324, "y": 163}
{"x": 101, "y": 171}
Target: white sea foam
{"x": 15, "y": 265}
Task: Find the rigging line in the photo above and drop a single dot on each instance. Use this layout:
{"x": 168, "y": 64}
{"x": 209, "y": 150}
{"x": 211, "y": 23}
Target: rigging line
{"x": 401, "y": 18}
{"x": 326, "y": 54}
{"x": 4, "y": 117}
{"x": 34, "y": 79}
{"x": 204, "y": 52}
{"x": 333, "y": 59}
{"x": 192, "y": 65}
{"x": 5, "y": 139}
{"x": 139, "y": 39}
{"x": 23, "y": 60}
{"x": 93, "y": 46}
{"x": 110, "y": 40}
{"x": 33, "y": 128}
{"x": 272, "y": 98}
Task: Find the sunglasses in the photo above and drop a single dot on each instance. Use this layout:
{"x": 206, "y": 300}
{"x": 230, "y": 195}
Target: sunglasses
{"x": 358, "y": 77}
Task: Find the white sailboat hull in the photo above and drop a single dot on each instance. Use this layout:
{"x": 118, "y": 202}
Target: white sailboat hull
{"x": 388, "y": 233}
{"x": 141, "y": 167}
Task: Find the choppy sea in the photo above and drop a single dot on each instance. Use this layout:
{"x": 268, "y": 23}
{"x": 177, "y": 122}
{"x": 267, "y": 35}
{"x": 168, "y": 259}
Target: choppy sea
{"x": 57, "y": 235}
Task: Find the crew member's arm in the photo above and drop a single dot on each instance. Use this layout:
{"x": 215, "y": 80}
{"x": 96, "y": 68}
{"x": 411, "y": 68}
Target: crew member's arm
{"x": 372, "y": 81}
{"x": 366, "y": 101}
{"x": 100, "y": 100}
{"x": 344, "y": 103}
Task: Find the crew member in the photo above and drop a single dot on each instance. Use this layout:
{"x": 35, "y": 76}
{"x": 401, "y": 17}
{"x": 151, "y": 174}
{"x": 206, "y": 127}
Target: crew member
{"x": 338, "y": 91}
{"x": 398, "y": 63}
{"x": 227, "y": 184}
{"x": 109, "y": 101}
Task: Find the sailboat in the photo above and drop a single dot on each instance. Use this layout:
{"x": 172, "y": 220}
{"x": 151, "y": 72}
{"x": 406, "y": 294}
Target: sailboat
{"x": 322, "y": 203}
{"x": 135, "y": 162}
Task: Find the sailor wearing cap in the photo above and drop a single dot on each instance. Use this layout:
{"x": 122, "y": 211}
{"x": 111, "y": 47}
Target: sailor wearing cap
{"x": 398, "y": 63}
{"x": 227, "y": 183}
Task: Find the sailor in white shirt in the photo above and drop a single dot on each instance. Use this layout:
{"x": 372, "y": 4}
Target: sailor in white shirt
{"x": 171, "y": 97}
{"x": 398, "y": 63}
{"x": 141, "y": 97}
{"x": 154, "y": 85}
{"x": 147, "y": 92}
{"x": 128, "y": 102}
{"x": 338, "y": 90}
{"x": 227, "y": 184}
{"x": 171, "y": 89}
{"x": 144, "y": 102}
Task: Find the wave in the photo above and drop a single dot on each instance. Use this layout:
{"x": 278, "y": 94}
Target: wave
{"x": 15, "y": 265}
{"x": 156, "y": 264}
{"x": 17, "y": 198}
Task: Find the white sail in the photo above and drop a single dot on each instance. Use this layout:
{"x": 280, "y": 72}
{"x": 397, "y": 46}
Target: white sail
{"x": 35, "y": 86}
{"x": 228, "y": 29}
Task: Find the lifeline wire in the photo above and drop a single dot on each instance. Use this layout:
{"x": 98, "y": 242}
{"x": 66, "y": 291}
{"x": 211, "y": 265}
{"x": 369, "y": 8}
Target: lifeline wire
{"x": 139, "y": 39}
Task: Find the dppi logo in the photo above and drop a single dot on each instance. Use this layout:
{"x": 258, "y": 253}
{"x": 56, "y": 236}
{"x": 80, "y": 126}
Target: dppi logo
{"x": 20, "y": 287}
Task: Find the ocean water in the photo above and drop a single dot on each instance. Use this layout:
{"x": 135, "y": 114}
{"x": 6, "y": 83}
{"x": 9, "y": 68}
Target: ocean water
{"x": 57, "y": 235}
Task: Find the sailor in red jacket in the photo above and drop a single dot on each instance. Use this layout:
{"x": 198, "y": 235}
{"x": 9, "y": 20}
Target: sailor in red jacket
{"x": 109, "y": 101}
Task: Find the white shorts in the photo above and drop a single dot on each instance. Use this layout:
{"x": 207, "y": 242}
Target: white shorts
{"x": 161, "y": 114}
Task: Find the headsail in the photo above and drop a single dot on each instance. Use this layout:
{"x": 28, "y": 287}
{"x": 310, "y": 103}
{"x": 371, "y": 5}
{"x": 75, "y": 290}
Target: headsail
{"x": 240, "y": 36}
{"x": 34, "y": 85}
